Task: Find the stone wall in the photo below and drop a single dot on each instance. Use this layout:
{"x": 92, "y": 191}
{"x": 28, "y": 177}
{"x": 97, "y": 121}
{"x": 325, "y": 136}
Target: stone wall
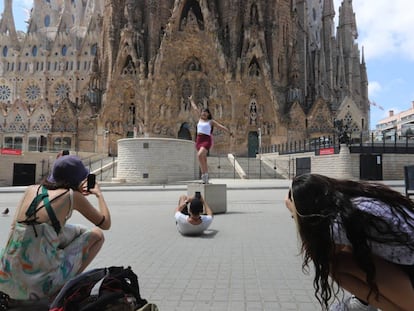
{"x": 43, "y": 162}
{"x": 341, "y": 165}
{"x": 393, "y": 165}
{"x": 156, "y": 160}
{"x": 335, "y": 165}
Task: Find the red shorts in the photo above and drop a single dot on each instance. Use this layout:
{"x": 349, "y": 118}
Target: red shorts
{"x": 203, "y": 140}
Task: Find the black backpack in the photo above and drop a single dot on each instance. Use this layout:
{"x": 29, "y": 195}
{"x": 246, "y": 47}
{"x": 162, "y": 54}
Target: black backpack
{"x": 4, "y": 301}
{"x": 113, "y": 288}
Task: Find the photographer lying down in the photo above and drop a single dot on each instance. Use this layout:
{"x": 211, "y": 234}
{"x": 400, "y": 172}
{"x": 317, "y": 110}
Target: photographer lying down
{"x": 189, "y": 216}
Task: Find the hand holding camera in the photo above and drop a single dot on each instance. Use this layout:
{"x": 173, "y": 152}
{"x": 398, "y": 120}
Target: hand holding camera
{"x": 91, "y": 186}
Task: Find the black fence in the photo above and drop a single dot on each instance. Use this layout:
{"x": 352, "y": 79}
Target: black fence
{"x": 306, "y": 145}
{"x": 356, "y": 144}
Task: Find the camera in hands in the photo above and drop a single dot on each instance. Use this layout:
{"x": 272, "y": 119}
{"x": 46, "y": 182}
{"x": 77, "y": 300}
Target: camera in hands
{"x": 91, "y": 181}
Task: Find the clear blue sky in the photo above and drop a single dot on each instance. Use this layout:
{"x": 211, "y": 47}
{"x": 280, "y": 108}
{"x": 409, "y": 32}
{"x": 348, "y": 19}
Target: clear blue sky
{"x": 385, "y": 29}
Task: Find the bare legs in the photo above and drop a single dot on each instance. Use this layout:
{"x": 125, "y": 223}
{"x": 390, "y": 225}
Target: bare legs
{"x": 95, "y": 243}
{"x": 202, "y": 160}
{"x": 395, "y": 289}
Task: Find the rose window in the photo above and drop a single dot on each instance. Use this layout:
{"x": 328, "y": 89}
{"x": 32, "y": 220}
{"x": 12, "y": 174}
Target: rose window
{"x": 62, "y": 90}
{"x": 32, "y": 92}
{"x": 4, "y": 92}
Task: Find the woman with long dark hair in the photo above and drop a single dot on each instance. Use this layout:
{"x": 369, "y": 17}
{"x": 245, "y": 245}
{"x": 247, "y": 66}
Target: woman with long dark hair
{"x": 359, "y": 235}
{"x": 204, "y": 140}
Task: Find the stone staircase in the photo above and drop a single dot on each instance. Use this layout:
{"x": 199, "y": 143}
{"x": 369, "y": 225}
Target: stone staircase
{"x": 103, "y": 166}
{"x": 221, "y": 167}
{"x": 254, "y": 168}
{"x": 251, "y": 168}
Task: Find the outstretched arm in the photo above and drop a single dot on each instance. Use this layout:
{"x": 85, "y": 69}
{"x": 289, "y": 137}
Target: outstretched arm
{"x": 220, "y": 126}
{"x": 195, "y": 110}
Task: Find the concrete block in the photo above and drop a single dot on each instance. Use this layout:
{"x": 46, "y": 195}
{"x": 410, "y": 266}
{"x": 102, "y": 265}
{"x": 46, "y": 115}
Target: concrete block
{"x": 214, "y": 194}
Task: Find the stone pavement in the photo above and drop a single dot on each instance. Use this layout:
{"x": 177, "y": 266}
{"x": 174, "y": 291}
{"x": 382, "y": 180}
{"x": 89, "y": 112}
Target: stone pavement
{"x": 248, "y": 260}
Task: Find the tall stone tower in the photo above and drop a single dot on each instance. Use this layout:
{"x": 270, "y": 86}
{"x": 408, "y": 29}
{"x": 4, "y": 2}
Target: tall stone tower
{"x": 272, "y": 71}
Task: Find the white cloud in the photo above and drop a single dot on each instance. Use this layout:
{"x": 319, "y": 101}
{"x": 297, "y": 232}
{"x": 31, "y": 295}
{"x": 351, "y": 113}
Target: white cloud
{"x": 386, "y": 93}
{"x": 374, "y": 87}
{"x": 24, "y": 3}
{"x": 21, "y": 12}
{"x": 385, "y": 27}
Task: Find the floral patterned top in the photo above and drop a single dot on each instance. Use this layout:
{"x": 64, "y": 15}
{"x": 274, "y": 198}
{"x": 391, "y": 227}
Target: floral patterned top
{"x": 398, "y": 254}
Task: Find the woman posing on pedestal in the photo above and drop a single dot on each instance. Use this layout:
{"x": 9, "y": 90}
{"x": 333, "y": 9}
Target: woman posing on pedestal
{"x": 204, "y": 139}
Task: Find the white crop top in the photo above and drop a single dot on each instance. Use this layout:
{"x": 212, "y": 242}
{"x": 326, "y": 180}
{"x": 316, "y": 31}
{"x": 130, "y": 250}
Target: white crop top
{"x": 204, "y": 127}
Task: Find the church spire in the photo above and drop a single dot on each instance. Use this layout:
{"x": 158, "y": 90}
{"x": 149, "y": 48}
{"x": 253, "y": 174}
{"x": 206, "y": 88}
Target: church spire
{"x": 328, "y": 9}
{"x": 7, "y": 25}
{"x": 364, "y": 79}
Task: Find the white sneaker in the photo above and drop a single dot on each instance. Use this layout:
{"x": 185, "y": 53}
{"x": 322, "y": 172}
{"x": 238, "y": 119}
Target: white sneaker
{"x": 351, "y": 304}
{"x": 204, "y": 178}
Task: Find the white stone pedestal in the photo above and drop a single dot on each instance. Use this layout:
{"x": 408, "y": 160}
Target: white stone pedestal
{"x": 214, "y": 194}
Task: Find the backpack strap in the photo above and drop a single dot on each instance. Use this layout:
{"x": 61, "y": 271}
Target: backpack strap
{"x": 50, "y": 211}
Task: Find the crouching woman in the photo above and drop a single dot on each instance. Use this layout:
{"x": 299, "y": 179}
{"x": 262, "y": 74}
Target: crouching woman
{"x": 43, "y": 250}
{"x": 359, "y": 235}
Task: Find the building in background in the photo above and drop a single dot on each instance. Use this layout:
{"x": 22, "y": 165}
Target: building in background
{"x": 87, "y": 73}
{"x": 396, "y": 127}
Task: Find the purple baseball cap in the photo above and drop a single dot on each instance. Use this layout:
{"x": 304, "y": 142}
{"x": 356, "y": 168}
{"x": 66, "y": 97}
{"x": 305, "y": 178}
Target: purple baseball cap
{"x": 68, "y": 169}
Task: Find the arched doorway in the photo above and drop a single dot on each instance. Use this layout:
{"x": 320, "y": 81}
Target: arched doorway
{"x": 184, "y": 131}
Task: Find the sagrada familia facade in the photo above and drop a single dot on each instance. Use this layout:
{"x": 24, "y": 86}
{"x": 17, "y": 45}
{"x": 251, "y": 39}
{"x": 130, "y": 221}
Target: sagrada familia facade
{"x": 89, "y": 72}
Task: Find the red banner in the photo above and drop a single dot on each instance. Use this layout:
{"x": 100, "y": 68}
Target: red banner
{"x": 325, "y": 151}
{"x": 11, "y": 151}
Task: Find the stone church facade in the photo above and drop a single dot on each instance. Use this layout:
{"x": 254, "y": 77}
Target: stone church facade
{"x": 87, "y": 73}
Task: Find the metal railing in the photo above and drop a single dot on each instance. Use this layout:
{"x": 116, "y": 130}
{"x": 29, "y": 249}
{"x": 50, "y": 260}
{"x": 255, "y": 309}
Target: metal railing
{"x": 357, "y": 144}
{"x": 237, "y": 167}
{"x": 301, "y": 146}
